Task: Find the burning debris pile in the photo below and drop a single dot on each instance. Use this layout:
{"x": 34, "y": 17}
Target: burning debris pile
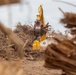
{"x": 62, "y": 55}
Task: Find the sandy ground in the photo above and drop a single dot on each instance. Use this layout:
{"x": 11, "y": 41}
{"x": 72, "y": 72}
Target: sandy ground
{"x": 26, "y": 67}
{"x": 37, "y": 68}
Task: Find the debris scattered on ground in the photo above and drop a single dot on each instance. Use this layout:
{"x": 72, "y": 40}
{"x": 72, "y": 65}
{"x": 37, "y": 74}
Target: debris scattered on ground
{"x": 8, "y": 49}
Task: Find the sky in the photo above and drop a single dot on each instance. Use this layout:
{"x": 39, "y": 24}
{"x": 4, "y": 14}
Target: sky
{"x": 26, "y": 13}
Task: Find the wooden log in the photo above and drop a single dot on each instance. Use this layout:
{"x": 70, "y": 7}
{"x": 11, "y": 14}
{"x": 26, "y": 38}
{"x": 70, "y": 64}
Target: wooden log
{"x": 67, "y": 43}
{"x": 62, "y": 58}
{"x": 4, "y": 2}
{"x": 63, "y": 64}
{"x": 64, "y": 50}
{"x": 14, "y": 39}
{"x": 54, "y": 59}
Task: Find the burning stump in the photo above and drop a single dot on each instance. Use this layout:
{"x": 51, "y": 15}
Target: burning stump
{"x": 61, "y": 56}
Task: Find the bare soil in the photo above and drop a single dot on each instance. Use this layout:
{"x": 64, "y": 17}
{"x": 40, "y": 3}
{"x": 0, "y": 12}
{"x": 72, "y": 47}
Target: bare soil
{"x": 37, "y": 68}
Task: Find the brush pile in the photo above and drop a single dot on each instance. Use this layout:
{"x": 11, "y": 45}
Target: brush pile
{"x": 62, "y": 55}
{"x": 8, "y": 49}
{"x": 25, "y": 32}
{"x": 70, "y": 21}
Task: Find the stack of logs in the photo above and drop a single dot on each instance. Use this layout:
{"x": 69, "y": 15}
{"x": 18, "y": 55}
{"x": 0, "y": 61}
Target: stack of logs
{"x": 70, "y": 21}
{"x": 62, "y": 55}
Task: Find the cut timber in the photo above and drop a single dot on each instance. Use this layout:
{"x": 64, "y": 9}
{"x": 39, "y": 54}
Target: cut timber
{"x": 14, "y": 39}
{"x": 56, "y": 56}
